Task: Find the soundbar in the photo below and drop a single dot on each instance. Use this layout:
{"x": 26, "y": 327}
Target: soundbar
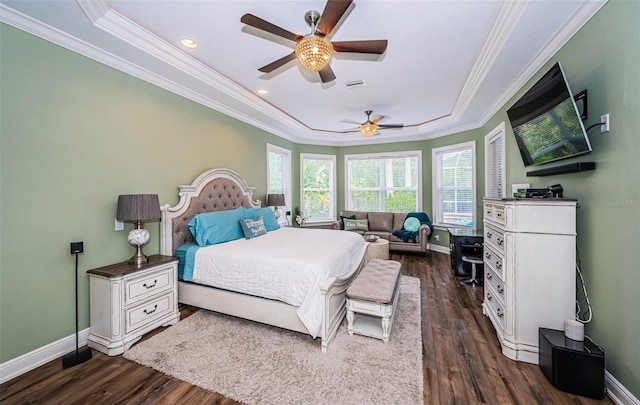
{"x": 570, "y": 168}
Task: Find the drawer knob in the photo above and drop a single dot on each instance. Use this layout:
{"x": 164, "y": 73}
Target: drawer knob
{"x": 498, "y": 265}
{"x": 500, "y": 289}
{"x": 489, "y": 276}
{"x": 155, "y": 282}
{"x": 487, "y": 255}
{"x": 500, "y": 242}
{"x": 489, "y": 297}
{"x": 155, "y": 307}
{"x": 500, "y": 313}
{"x": 489, "y": 235}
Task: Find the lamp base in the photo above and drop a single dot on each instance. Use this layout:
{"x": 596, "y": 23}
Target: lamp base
{"x": 76, "y": 357}
{"x": 139, "y": 258}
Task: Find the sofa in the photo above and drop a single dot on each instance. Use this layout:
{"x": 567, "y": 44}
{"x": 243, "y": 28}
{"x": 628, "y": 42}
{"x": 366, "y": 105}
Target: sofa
{"x": 383, "y": 224}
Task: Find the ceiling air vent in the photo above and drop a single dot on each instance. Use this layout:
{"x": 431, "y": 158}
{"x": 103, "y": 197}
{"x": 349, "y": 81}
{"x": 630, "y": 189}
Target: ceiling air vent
{"x": 356, "y": 83}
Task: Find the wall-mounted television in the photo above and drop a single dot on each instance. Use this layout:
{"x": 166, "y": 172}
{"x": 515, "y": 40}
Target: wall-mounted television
{"x": 546, "y": 122}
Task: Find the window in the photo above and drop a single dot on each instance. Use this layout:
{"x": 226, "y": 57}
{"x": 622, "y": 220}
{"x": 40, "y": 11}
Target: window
{"x": 279, "y": 177}
{"x": 318, "y": 179}
{"x": 454, "y": 183}
{"x": 494, "y": 168}
{"x": 386, "y": 182}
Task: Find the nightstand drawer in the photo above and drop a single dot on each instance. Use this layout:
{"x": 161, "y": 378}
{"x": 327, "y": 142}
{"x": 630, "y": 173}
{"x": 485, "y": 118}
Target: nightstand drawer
{"x": 146, "y": 313}
{"x": 143, "y": 287}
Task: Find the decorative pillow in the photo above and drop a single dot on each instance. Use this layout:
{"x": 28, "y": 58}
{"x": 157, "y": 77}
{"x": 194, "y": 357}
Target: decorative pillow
{"x": 253, "y": 227}
{"x": 269, "y": 218}
{"x": 356, "y": 225}
{"x": 211, "y": 228}
{"x": 412, "y": 224}
{"x": 343, "y": 217}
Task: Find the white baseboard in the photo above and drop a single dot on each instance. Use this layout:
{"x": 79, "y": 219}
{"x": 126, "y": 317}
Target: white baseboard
{"x": 439, "y": 249}
{"x": 27, "y": 362}
{"x": 617, "y": 392}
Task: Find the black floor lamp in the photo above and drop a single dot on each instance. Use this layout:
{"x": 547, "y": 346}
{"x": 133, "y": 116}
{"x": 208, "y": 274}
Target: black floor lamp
{"x": 79, "y": 355}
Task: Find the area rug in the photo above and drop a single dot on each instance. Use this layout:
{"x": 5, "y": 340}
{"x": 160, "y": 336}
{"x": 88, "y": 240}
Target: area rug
{"x": 259, "y": 364}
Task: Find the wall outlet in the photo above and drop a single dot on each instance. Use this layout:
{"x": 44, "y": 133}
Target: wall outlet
{"x": 436, "y": 238}
{"x": 604, "y": 123}
{"x": 119, "y": 225}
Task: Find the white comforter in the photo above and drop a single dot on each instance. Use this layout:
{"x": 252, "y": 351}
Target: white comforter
{"x": 287, "y": 264}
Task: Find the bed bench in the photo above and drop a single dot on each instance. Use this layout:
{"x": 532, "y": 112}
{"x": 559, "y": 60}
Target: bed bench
{"x": 372, "y": 299}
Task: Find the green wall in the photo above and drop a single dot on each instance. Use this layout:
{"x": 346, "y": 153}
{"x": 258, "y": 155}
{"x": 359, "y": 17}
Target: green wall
{"x": 604, "y": 58}
{"x": 76, "y": 134}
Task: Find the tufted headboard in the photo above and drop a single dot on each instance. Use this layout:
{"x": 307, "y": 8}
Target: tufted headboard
{"x": 213, "y": 190}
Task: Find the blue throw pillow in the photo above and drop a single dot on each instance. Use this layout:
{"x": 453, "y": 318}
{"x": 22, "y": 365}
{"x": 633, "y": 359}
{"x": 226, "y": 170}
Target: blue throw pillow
{"x": 269, "y": 218}
{"x": 253, "y": 227}
{"x": 216, "y": 227}
{"x": 412, "y": 224}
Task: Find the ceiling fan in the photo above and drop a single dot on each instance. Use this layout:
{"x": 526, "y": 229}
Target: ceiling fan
{"x": 370, "y": 126}
{"x": 314, "y": 50}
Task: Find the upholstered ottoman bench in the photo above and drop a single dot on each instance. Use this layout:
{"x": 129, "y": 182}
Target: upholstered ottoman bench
{"x": 372, "y": 299}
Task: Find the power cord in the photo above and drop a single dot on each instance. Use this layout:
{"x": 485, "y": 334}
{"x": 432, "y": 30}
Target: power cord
{"x": 593, "y": 126}
{"x": 584, "y": 290}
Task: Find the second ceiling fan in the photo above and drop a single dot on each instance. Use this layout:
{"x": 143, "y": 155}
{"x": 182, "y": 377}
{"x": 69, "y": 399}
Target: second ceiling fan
{"x": 370, "y": 126}
{"x": 314, "y": 50}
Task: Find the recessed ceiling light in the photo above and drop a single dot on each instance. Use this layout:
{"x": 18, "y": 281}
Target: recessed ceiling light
{"x": 263, "y": 91}
{"x": 189, "y": 43}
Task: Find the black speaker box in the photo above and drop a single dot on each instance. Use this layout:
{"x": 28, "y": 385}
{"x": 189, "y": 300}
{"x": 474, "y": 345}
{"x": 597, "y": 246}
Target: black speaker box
{"x": 571, "y": 366}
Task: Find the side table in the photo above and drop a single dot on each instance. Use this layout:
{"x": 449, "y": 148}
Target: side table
{"x": 378, "y": 250}
{"x": 128, "y": 301}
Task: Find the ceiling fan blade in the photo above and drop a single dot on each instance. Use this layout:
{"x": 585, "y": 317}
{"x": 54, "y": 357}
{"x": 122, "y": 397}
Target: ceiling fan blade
{"x": 375, "y": 46}
{"x": 326, "y": 74}
{"x": 390, "y": 126}
{"x": 263, "y": 25}
{"x": 377, "y": 119}
{"x": 332, "y": 13}
{"x": 276, "y": 64}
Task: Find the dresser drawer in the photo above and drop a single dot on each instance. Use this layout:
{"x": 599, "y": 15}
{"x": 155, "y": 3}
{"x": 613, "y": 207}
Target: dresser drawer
{"x": 494, "y": 261}
{"x": 140, "y": 288}
{"x": 145, "y": 313}
{"x": 495, "y": 309}
{"x": 494, "y": 212}
{"x": 495, "y": 283}
{"x": 494, "y": 238}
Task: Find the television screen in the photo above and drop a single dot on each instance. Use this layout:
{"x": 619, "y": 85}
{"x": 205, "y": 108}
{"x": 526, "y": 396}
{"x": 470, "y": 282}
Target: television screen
{"x": 546, "y": 121}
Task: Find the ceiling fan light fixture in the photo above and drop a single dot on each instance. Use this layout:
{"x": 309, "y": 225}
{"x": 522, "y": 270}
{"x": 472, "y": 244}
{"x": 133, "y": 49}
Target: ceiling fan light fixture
{"x": 368, "y": 128}
{"x": 314, "y": 52}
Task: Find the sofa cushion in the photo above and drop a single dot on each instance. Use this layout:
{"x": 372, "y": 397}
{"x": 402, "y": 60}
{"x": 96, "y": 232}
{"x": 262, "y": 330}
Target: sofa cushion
{"x": 358, "y": 214}
{"x": 356, "y": 225}
{"x": 380, "y": 221}
{"x": 343, "y": 217}
{"x": 398, "y": 220}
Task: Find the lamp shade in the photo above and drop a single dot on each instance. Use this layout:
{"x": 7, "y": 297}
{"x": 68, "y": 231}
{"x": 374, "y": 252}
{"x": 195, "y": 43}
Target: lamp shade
{"x": 138, "y": 207}
{"x": 275, "y": 200}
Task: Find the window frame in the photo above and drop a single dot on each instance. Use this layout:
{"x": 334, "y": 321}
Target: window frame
{"x": 383, "y": 155}
{"x": 286, "y": 181}
{"x": 332, "y": 187}
{"x": 498, "y": 133}
{"x": 436, "y": 153}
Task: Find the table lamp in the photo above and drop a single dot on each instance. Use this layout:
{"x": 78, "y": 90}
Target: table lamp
{"x": 275, "y": 200}
{"x": 138, "y": 208}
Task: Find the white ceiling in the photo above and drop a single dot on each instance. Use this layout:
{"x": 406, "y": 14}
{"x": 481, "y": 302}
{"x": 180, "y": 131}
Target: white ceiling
{"x": 449, "y": 65}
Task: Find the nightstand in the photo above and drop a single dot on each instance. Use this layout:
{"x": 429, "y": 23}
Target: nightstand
{"x": 128, "y": 301}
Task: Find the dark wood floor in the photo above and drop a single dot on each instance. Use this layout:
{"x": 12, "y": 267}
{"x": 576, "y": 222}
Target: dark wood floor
{"x": 462, "y": 361}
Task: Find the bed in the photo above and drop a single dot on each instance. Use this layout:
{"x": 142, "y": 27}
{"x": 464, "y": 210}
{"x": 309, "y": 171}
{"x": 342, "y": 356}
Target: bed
{"x": 317, "y": 311}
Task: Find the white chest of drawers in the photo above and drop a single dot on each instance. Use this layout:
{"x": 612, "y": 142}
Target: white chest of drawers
{"x": 530, "y": 270}
{"x": 129, "y": 301}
